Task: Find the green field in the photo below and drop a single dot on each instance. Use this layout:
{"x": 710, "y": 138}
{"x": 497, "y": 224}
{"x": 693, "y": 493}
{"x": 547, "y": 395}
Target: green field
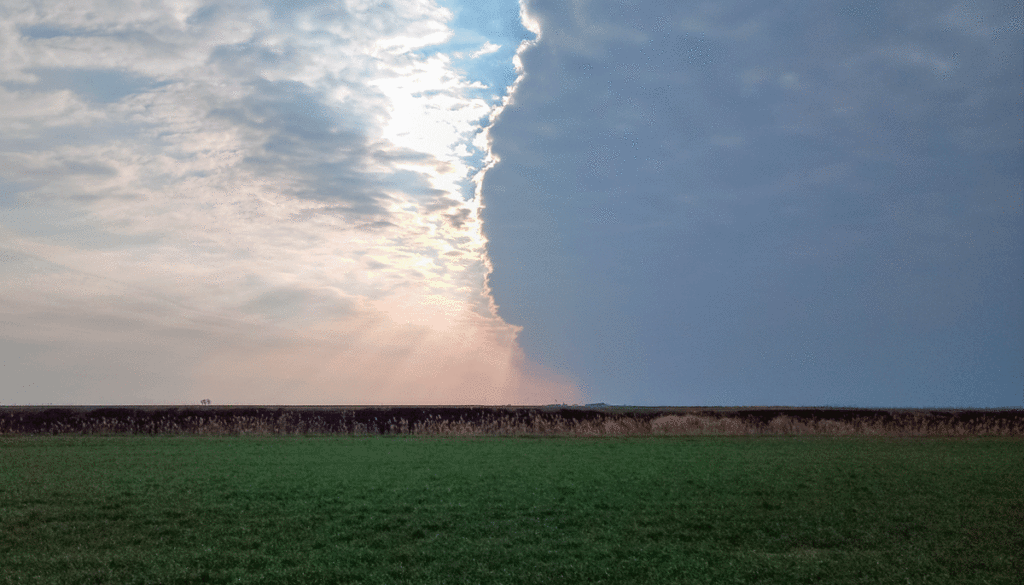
{"x": 166, "y": 509}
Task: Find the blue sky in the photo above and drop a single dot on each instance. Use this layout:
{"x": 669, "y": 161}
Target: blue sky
{"x": 699, "y": 203}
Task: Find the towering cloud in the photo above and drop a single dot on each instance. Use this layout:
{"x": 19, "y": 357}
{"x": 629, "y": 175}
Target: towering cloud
{"x": 748, "y": 203}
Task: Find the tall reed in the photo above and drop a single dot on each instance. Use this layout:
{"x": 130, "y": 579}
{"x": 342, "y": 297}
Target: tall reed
{"x": 513, "y": 425}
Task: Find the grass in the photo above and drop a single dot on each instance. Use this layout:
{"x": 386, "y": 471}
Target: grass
{"x": 427, "y": 509}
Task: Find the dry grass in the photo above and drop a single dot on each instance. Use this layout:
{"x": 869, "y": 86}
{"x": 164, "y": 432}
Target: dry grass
{"x": 692, "y": 424}
{"x": 542, "y": 424}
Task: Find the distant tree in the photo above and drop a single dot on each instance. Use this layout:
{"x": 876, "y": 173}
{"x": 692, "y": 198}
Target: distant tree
{"x": 205, "y": 401}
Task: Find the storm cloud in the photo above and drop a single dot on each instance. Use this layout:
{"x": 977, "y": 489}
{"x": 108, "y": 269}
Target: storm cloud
{"x": 736, "y": 203}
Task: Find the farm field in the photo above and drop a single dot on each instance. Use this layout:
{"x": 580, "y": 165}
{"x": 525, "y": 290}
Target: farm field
{"x": 420, "y": 509}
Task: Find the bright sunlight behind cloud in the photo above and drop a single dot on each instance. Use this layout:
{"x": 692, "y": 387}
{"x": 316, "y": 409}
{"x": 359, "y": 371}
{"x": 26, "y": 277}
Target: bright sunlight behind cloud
{"x": 249, "y": 202}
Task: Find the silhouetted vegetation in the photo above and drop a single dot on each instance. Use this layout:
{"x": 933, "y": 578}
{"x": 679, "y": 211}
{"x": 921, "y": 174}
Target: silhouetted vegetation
{"x": 559, "y": 420}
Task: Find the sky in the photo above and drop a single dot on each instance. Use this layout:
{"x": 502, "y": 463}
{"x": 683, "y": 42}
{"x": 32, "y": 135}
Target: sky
{"x": 722, "y": 203}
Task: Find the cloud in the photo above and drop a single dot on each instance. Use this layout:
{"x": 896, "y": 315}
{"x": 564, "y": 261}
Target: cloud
{"x": 259, "y": 180}
{"x": 688, "y": 197}
{"x": 486, "y": 49}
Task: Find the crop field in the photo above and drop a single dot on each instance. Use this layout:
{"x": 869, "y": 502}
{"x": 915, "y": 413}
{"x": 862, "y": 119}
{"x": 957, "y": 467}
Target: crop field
{"x": 135, "y": 508}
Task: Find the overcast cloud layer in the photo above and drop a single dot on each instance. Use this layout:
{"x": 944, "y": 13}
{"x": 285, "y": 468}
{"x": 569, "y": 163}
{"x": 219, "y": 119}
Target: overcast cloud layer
{"x": 801, "y": 203}
{"x": 251, "y": 202}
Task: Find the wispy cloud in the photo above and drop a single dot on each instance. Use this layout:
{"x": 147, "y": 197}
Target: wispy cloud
{"x": 275, "y": 199}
